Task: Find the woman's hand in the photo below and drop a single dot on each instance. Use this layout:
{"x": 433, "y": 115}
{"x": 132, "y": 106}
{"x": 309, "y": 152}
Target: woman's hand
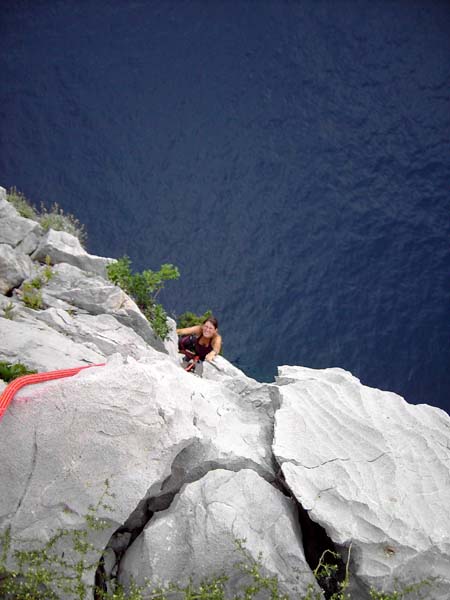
{"x": 210, "y": 356}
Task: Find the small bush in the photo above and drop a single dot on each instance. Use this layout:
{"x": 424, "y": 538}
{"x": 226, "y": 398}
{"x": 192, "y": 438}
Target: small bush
{"x": 31, "y": 290}
{"x": 189, "y": 319}
{"x": 144, "y": 288}
{"x": 57, "y": 219}
{"x": 36, "y": 283}
{"x": 8, "y": 311}
{"x": 53, "y": 218}
{"x": 22, "y": 204}
{"x": 10, "y": 371}
{"x": 31, "y": 295}
{"x": 42, "y": 573}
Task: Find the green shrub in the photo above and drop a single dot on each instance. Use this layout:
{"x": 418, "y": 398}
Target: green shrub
{"x": 31, "y": 290}
{"x": 189, "y": 319}
{"x": 10, "y": 371}
{"x": 8, "y": 311}
{"x": 53, "y": 218}
{"x": 32, "y": 295}
{"x": 144, "y": 288}
{"x": 22, "y": 204}
{"x": 36, "y": 283}
{"x": 41, "y": 573}
{"x": 57, "y": 219}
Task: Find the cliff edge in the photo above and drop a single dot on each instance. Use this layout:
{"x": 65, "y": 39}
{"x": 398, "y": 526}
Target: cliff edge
{"x": 311, "y": 462}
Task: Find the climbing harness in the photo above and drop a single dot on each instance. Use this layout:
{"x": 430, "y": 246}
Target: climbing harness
{"x": 15, "y": 385}
{"x": 193, "y": 359}
{"x": 186, "y": 345}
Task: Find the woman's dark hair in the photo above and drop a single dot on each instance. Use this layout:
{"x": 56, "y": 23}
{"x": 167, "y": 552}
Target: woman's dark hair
{"x": 212, "y": 320}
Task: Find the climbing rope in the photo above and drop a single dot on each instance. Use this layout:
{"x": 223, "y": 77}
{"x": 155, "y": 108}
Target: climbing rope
{"x": 15, "y": 385}
{"x": 194, "y": 358}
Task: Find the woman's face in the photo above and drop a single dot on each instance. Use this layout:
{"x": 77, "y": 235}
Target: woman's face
{"x": 208, "y": 329}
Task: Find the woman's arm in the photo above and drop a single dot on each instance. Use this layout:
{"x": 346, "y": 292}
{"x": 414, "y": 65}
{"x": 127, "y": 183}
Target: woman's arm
{"x": 196, "y": 329}
{"x": 216, "y": 345}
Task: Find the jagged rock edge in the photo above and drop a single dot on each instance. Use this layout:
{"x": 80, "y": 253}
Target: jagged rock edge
{"x": 151, "y": 504}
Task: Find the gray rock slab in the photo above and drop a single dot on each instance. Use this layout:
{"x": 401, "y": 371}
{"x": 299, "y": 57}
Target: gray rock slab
{"x": 6, "y": 208}
{"x": 95, "y": 295}
{"x": 196, "y": 536}
{"x": 62, "y": 440}
{"x": 14, "y": 228}
{"x": 236, "y": 431}
{"x": 171, "y": 342}
{"x": 127, "y": 422}
{"x": 38, "y": 346}
{"x": 374, "y": 471}
{"x": 31, "y": 241}
{"x": 15, "y": 267}
{"x": 101, "y": 333}
{"x": 63, "y": 247}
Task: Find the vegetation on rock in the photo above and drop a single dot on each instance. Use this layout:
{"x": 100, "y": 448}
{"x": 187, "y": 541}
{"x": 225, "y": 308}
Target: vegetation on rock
{"x": 31, "y": 290}
{"x": 44, "y": 573}
{"x": 189, "y": 319}
{"x": 53, "y": 218}
{"x": 8, "y": 311}
{"x": 32, "y": 295}
{"x": 144, "y": 288}
{"x": 10, "y": 371}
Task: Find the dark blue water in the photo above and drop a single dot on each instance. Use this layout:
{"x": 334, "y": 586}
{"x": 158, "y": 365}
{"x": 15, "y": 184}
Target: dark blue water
{"x": 291, "y": 158}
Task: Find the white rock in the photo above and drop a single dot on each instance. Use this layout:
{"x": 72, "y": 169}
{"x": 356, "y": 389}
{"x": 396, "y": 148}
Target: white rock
{"x": 112, "y": 423}
{"x": 14, "y": 228}
{"x": 33, "y": 343}
{"x": 15, "y": 267}
{"x": 63, "y": 247}
{"x": 97, "y": 296}
{"x": 31, "y": 241}
{"x": 171, "y": 343}
{"x": 134, "y": 424}
{"x": 6, "y": 208}
{"x": 196, "y": 536}
{"x": 103, "y": 333}
{"x": 373, "y": 470}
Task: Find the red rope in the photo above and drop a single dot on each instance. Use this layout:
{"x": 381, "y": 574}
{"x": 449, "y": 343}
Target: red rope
{"x": 15, "y": 385}
{"x": 194, "y": 358}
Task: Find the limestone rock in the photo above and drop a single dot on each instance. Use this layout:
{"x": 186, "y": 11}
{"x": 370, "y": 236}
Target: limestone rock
{"x": 6, "y": 208}
{"x": 171, "y": 343}
{"x": 134, "y": 424}
{"x": 102, "y": 333}
{"x": 374, "y": 471}
{"x": 112, "y": 423}
{"x": 15, "y": 267}
{"x": 236, "y": 432}
{"x": 14, "y": 228}
{"x": 38, "y": 346}
{"x": 371, "y": 469}
{"x": 63, "y": 247}
{"x": 196, "y": 535}
{"x": 96, "y": 296}
{"x": 31, "y": 241}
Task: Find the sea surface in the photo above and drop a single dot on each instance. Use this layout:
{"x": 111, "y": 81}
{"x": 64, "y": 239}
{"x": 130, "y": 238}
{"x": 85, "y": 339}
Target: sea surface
{"x": 290, "y": 157}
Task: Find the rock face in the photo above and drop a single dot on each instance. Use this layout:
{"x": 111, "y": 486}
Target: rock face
{"x": 373, "y": 470}
{"x": 15, "y": 267}
{"x": 207, "y": 517}
{"x": 62, "y": 247}
{"x": 195, "y": 463}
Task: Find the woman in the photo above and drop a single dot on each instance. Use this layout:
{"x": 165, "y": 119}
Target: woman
{"x": 204, "y": 339}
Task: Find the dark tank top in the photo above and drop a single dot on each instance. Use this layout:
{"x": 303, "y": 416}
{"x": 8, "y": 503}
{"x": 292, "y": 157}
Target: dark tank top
{"x": 202, "y": 351}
